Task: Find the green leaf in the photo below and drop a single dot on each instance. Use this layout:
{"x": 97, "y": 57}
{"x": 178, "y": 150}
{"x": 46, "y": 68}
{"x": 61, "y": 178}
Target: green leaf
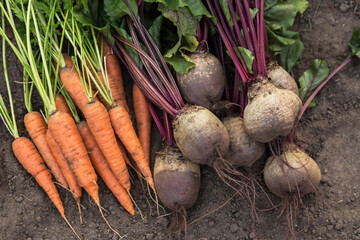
{"x": 301, "y": 5}
{"x": 88, "y": 13}
{"x": 278, "y": 40}
{"x": 116, "y": 9}
{"x": 225, "y": 7}
{"x": 248, "y": 58}
{"x": 269, "y": 4}
{"x": 253, "y": 12}
{"x": 186, "y": 44}
{"x": 196, "y": 7}
{"x": 291, "y": 54}
{"x": 179, "y": 63}
{"x": 155, "y": 29}
{"x": 185, "y": 16}
{"x": 315, "y": 75}
{"x": 281, "y": 16}
{"x": 355, "y": 43}
{"x": 184, "y": 21}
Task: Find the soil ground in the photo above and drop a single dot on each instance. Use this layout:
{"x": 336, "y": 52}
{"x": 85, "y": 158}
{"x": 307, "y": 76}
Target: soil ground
{"x": 330, "y": 133}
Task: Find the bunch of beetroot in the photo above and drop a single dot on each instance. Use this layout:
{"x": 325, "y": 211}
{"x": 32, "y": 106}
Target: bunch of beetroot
{"x": 257, "y": 100}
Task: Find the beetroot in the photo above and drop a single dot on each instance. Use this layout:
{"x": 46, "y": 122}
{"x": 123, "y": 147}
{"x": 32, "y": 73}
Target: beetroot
{"x": 204, "y": 84}
{"x": 271, "y": 112}
{"x": 291, "y": 172}
{"x": 177, "y": 182}
{"x": 281, "y": 78}
{"x": 243, "y": 150}
{"x": 200, "y": 135}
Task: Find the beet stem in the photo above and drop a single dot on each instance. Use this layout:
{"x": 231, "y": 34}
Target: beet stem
{"x": 156, "y": 120}
{"x": 236, "y": 25}
{"x": 292, "y": 134}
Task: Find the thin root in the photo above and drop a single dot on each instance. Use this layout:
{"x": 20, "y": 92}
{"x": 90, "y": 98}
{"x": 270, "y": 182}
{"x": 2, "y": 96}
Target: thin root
{"x": 71, "y": 227}
{"x": 137, "y": 207}
{"x": 102, "y": 214}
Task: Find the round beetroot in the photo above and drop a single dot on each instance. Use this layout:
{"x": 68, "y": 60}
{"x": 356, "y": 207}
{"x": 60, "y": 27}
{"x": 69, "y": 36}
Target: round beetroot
{"x": 243, "y": 150}
{"x": 204, "y": 84}
{"x": 270, "y": 112}
{"x": 291, "y": 172}
{"x": 281, "y": 78}
{"x": 200, "y": 135}
{"x": 177, "y": 180}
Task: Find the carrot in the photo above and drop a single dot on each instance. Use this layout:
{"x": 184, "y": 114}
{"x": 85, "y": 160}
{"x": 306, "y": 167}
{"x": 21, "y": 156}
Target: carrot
{"x": 72, "y": 83}
{"x": 61, "y": 104}
{"x": 115, "y": 76}
{"x": 101, "y": 98}
{"x": 64, "y": 166}
{"x": 143, "y": 120}
{"x": 71, "y": 80}
{"x": 31, "y": 160}
{"x": 36, "y": 127}
{"x": 122, "y": 125}
{"x": 67, "y": 60}
{"x": 63, "y": 128}
{"x": 99, "y": 123}
{"x": 123, "y": 152}
{"x": 103, "y": 169}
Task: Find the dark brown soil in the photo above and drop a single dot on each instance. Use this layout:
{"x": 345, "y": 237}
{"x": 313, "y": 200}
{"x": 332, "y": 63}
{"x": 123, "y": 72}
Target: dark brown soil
{"x": 330, "y": 133}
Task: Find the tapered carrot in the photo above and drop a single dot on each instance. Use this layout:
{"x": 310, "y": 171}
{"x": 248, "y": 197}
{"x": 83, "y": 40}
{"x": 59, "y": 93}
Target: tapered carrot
{"x": 64, "y": 166}
{"x": 99, "y": 123}
{"x": 101, "y": 98}
{"x": 61, "y": 104}
{"x": 63, "y": 128}
{"x": 36, "y": 127}
{"x": 115, "y": 76}
{"x": 143, "y": 120}
{"x": 67, "y": 61}
{"x": 123, "y": 152}
{"x": 103, "y": 169}
{"x": 71, "y": 80}
{"x": 31, "y": 160}
{"x": 120, "y": 119}
{"x": 72, "y": 83}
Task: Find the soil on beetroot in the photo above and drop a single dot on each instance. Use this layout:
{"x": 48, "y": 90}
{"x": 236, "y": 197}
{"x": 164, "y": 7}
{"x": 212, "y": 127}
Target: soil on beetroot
{"x": 330, "y": 133}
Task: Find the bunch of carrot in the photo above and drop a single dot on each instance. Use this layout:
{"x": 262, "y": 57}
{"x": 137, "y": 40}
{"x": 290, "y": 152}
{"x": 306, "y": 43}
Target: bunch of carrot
{"x": 71, "y": 148}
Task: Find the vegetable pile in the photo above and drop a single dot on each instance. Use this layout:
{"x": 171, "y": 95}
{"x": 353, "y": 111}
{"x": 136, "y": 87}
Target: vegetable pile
{"x": 214, "y": 76}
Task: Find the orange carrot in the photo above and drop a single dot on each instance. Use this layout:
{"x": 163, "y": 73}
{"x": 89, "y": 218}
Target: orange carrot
{"x": 101, "y": 98}
{"x": 143, "y": 120}
{"x": 31, "y": 160}
{"x": 99, "y": 123}
{"x": 72, "y": 82}
{"x": 61, "y": 104}
{"x": 63, "y": 128}
{"x": 123, "y": 127}
{"x": 36, "y": 127}
{"x": 115, "y": 76}
{"x": 123, "y": 152}
{"x": 103, "y": 169}
{"x": 68, "y": 62}
{"x": 64, "y": 166}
